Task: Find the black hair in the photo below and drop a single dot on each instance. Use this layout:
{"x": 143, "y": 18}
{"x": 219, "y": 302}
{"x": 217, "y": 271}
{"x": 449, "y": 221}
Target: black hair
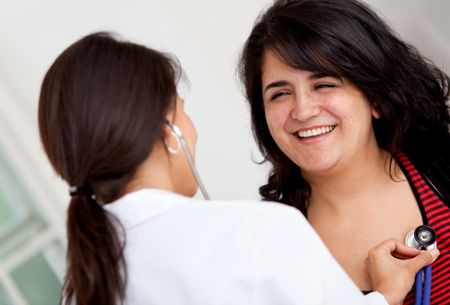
{"x": 345, "y": 38}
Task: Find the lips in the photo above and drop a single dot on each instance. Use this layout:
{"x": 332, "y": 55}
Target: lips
{"x": 314, "y": 132}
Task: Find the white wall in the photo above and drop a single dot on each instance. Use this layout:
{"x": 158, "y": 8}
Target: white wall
{"x": 206, "y": 35}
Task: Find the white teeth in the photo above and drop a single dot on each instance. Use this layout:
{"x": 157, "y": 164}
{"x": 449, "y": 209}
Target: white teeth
{"x": 315, "y": 131}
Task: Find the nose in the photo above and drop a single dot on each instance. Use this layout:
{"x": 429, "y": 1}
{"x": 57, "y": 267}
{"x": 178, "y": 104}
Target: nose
{"x": 304, "y": 106}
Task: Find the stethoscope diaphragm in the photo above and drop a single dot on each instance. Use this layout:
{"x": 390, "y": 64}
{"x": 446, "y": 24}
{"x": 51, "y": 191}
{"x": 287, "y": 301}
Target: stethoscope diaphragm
{"x": 423, "y": 238}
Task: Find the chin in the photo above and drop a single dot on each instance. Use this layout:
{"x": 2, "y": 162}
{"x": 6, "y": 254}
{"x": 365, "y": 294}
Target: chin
{"x": 317, "y": 169}
{"x": 190, "y": 191}
{"x": 316, "y": 164}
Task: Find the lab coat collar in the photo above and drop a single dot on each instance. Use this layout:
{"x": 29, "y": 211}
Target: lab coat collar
{"x": 137, "y": 207}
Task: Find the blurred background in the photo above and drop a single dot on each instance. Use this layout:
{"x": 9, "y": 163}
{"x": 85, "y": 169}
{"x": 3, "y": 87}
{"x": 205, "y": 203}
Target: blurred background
{"x": 207, "y": 36}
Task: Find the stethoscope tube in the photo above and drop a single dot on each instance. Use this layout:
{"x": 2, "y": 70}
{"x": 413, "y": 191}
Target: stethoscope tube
{"x": 180, "y": 137}
{"x": 424, "y": 275}
{"x": 423, "y": 237}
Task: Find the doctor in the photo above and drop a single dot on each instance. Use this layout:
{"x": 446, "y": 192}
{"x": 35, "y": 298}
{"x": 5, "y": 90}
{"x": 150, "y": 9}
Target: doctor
{"x": 110, "y": 122}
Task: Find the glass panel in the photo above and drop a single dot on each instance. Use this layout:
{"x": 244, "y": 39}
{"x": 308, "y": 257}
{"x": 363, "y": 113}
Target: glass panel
{"x": 38, "y": 280}
{"x": 4, "y": 300}
{"x": 19, "y": 221}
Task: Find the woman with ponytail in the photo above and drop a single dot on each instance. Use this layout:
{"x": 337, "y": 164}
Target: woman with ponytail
{"x": 110, "y": 120}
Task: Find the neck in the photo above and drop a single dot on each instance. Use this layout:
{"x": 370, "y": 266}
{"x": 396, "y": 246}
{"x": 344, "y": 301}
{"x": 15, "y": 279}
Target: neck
{"x": 353, "y": 185}
{"x": 154, "y": 172}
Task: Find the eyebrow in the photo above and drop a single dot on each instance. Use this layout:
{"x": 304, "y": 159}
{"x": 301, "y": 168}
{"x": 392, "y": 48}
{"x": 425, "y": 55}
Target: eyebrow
{"x": 312, "y": 76}
{"x": 276, "y": 84}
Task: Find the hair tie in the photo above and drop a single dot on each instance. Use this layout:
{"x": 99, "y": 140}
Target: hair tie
{"x": 79, "y": 191}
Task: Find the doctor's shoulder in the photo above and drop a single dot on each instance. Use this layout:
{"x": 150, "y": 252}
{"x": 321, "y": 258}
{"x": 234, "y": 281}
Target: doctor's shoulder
{"x": 249, "y": 212}
{"x": 255, "y": 223}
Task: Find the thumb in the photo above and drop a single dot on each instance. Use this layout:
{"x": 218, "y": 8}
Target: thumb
{"x": 423, "y": 259}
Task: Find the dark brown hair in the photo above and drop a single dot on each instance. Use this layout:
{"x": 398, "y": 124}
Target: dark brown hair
{"x": 102, "y": 106}
{"x": 346, "y": 38}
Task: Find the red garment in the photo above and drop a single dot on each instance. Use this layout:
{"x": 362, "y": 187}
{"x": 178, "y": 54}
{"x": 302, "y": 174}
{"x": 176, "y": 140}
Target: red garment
{"x": 437, "y": 215}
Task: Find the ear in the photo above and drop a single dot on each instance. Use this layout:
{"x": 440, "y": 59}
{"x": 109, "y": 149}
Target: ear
{"x": 170, "y": 139}
{"x": 375, "y": 109}
{"x": 166, "y": 131}
{"x": 170, "y": 117}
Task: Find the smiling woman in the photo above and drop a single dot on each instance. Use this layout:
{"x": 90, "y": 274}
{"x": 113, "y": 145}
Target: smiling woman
{"x": 356, "y": 126}
{"x": 320, "y": 122}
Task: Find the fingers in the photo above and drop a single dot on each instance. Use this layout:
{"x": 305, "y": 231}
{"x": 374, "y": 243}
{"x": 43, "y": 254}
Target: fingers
{"x": 423, "y": 259}
{"x": 396, "y": 248}
{"x": 402, "y": 251}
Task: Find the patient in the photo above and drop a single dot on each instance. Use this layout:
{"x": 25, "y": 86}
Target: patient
{"x": 355, "y": 123}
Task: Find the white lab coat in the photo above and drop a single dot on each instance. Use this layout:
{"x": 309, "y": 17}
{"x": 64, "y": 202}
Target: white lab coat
{"x": 181, "y": 250}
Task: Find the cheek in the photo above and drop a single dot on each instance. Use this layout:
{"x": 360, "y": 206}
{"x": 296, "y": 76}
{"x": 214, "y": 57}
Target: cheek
{"x": 194, "y": 131}
{"x": 356, "y": 120}
{"x": 193, "y": 136}
{"x": 191, "y": 132}
{"x": 273, "y": 123}
{"x": 276, "y": 118}
{"x": 276, "y": 121}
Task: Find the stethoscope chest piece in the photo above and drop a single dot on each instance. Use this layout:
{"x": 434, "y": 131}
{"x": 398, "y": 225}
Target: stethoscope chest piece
{"x": 423, "y": 238}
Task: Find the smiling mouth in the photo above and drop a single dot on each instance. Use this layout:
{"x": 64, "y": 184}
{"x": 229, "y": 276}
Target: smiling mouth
{"x": 315, "y": 132}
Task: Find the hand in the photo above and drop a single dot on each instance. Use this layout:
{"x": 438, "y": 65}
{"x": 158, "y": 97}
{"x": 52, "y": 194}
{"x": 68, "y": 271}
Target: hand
{"x": 392, "y": 267}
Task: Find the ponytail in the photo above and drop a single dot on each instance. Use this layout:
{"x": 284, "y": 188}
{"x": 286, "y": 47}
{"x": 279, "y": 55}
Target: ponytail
{"x": 96, "y": 269}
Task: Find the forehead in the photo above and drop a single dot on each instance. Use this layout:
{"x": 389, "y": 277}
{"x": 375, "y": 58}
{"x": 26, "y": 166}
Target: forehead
{"x": 273, "y": 67}
{"x": 300, "y": 57}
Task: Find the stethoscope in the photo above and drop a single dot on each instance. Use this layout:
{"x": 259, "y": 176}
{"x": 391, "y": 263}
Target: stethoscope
{"x": 422, "y": 238}
{"x": 177, "y": 132}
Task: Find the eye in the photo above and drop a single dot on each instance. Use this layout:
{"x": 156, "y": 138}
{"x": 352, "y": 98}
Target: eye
{"x": 324, "y": 86}
{"x": 279, "y": 94}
